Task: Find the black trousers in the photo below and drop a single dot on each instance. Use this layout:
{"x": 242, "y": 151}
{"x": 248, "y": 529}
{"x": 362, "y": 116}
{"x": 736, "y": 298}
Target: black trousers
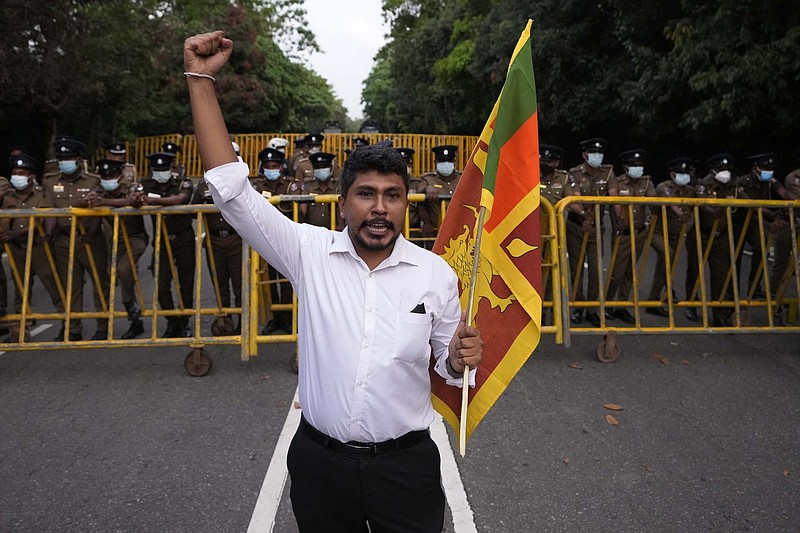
{"x": 399, "y": 491}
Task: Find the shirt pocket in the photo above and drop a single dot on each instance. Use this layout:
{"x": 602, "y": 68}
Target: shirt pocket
{"x": 412, "y": 336}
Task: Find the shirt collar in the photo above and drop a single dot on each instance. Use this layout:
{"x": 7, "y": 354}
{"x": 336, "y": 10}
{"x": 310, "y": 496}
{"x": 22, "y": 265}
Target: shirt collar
{"x": 403, "y": 251}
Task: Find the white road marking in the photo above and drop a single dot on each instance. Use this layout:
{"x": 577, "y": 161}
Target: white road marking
{"x": 263, "y": 519}
{"x": 269, "y": 499}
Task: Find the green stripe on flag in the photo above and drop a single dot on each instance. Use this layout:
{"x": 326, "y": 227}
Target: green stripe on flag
{"x": 517, "y": 105}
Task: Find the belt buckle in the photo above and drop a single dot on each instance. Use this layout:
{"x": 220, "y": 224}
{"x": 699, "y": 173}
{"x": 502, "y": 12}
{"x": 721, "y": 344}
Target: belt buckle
{"x": 224, "y": 233}
{"x": 370, "y": 447}
{"x": 172, "y": 237}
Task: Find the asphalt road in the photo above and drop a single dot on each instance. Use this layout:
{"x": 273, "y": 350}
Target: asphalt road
{"x": 124, "y": 440}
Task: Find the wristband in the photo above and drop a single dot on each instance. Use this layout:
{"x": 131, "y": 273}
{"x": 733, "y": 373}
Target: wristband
{"x": 452, "y": 371}
{"x": 198, "y": 75}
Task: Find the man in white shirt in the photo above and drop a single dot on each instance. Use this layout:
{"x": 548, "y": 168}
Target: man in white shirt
{"x": 373, "y": 308}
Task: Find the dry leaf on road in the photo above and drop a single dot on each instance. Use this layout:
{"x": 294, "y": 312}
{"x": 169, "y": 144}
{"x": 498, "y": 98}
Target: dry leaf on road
{"x": 575, "y": 366}
{"x": 664, "y": 360}
{"x": 565, "y": 460}
{"x": 611, "y": 420}
{"x": 613, "y": 406}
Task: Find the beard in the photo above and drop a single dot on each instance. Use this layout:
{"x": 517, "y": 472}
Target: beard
{"x": 375, "y": 243}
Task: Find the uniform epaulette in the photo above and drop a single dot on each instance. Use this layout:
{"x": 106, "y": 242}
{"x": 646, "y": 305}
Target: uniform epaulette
{"x": 51, "y": 174}
{"x": 91, "y": 174}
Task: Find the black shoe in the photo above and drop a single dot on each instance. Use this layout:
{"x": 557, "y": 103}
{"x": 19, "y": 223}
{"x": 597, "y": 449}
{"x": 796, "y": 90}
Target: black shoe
{"x": 625, "y": 316}
{"x": 170, "y": 331}
{"x": 658, "y": 311}
{"x": 691, "y": 315}
{"x": 611, "y": 314}
{"x": 134, "y": 311}
{"x": 275, "y": 327}
{"x": 75, "y": 337}
{"x": 593, "y": 319}
{"x": 577, "y": 316}
{"x": 60, "y": 336}
{"x": 3, "y": 310}
{"x": 100, "y": 335}
{"x": 759, "y": 294}
{"x": 136, "y": 329}
{"x": 182, "y": 332}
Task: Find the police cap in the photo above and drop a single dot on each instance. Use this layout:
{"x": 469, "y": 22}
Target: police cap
{"x": 386, "y": 143}
{"x": 270, "y": 154}
{"x": 66, "y": 146}
{"x": 300, "y": 141}
{"x": 314, "y": 138}
{"x": 107, "y": 167}
{"x": 171, "y": 147}
{"x": 321, "y": 159}
{"x": 23, "y": 161}
{"x": 358, "y": 142}
{"x": 407, "y": 153}
{"x": 723, "y": 161}
{"x": 767, "y": 160}
{"x": 636, "y": 155}
{"x": 594, "y": 145}
{"x": 681, "y": 164}
{"x": 161, "y": 160}
{"x": 445, "y": 152}
{"x": 549, "y": 152}
{"x": 116, "y": 148}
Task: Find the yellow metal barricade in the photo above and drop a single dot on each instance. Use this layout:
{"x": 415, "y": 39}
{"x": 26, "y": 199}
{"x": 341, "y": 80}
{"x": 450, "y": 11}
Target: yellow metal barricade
{"x": 731, "y": 311}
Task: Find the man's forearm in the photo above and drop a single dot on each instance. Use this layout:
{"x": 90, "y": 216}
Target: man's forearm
{"x": 213, "y": 141}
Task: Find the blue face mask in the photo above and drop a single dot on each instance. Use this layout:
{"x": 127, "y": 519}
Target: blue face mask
{"x": 272, "y": 173}
{"x": 682, "y": 179}
{"x": 110, "y": 185}
{"x": 162, "y": 176}
{"x": 19, "y": 182}
{"x": 68, "y": 167}
{"x": 445, "y": 168}
{"x": 322, "y": 174}
{"x": 594, "y": 159}
{"x": 635, "y": 172}
{"x": 766, "y": 175}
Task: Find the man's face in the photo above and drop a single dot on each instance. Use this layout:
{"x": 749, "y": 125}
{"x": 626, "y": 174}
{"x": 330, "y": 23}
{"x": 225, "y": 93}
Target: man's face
{"x": 375, "y": 208}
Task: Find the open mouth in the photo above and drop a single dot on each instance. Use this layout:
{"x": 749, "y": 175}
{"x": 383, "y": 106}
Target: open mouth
{"x": 377, "y": 227}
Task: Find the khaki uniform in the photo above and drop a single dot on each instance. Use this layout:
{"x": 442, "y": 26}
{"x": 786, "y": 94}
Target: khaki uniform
{"x": 129, "y": 174}
{"x": 319, "y": 214}
{"x": 5, "y": 186}
{"x": 280, "y": 293}
{"x": 775, "y": 222}
{"x": 297, "y": 157}
{"x": 553, "y": 188}
{"x": 40, "y": 265}
{"x": 137, "y": 237}
{"x": 717, "y": 242}
{"x": 588, "y": 182}
{"x": 675, "y": 228}
{"x": 622, "y": 273}
{"x": 67, "y": 192}
{"x": 429, "y": 212}
{"x": 179, "y": 239}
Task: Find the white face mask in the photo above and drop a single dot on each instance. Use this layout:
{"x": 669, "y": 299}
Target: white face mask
{"x": 19, "y": 181}
{"x": 322, "y": 174}
{"x": 110, "y": 185}
{"x": 445, "y": 168}
{"x": 635, "y": 172}
{"x": 594, "y": 159}
{"x": 68, "y": 167}
{"x": 682, "y": 179}
{"x": 162, "y": 176}
{"x": 723, "y": 176}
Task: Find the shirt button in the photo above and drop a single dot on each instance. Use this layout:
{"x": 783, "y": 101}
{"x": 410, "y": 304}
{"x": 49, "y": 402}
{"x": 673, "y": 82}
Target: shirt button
{"x": 360, "y": 383}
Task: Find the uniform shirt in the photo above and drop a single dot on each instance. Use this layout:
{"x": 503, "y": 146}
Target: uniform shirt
{"x": 756, "y": 189}
{"x": 363, "y": 354}
{"x": 129, "y": 173}
{"x": 631, "y": 187}
{"x": 710, "y": 187}
{"x": 670, "y": 189}
{"x": 589, "y": 184}
{"x": 134, "y": 224}
{"x": 278, "y": 187}
{"x": 14, "y": 199}
{"x": 444, "y": 186}
{"x": 67, "y": 191}
{"x": 5, "y": 186}
{"x": 792, "y": 182}
{"x": 215, "y": 224}
{"x": 556, "y": 186}
{"x": 319, "y": 214}
{"x": 152, "y": 189}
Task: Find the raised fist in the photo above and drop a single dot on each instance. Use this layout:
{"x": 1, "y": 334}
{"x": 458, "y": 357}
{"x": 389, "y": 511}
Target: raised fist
{"x": 207, "y": 53}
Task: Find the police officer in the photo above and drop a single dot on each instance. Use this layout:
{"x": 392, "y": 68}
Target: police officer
{"x": 119, "y": 191}
{"x": 68, "y": 187}
{"x": 161, "y": 187}
{"x": 117, "y": 151}
{"x": 304, "y": 167}
{"x": 761, "y": 184}
{"x": 679, "y": 219}
{"x": 358, "y": 142}
{"x": 631, "y": 183}
{"x": 442, "y": 181}
{"x": 272, "y": 182}
{"x": 716, "y": 184}
{"x": 591, "y": 179}
{"x": 554, "y": 184}
{"x": 414, "y": 184}
{"x": 323, "y": 182}
{"x": 282, "y": 145}
{"x": 25, "y": 193}
{"x": 177, "y": 170}
{"x": 300, "y": 154}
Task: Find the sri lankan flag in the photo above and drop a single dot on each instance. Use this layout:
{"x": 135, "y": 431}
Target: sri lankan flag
{"x": 502, "y": 176}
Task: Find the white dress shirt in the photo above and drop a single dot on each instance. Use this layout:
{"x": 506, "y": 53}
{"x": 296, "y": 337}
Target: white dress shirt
{"x": 363, "y": 354}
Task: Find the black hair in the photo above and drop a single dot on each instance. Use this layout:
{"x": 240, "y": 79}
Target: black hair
{"x": 381, "y": 159}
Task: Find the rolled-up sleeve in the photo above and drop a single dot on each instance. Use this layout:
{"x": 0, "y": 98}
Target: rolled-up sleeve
{"x": 276, "y": 238}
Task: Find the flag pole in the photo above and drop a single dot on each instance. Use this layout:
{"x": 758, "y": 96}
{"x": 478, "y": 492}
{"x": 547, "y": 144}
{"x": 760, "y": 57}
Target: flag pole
{"x": 476, "y": 255}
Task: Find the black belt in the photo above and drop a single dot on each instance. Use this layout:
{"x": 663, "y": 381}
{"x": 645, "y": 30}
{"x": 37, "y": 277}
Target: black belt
{"x": 222, "y": 233}
{"x": 362, "y": 449}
